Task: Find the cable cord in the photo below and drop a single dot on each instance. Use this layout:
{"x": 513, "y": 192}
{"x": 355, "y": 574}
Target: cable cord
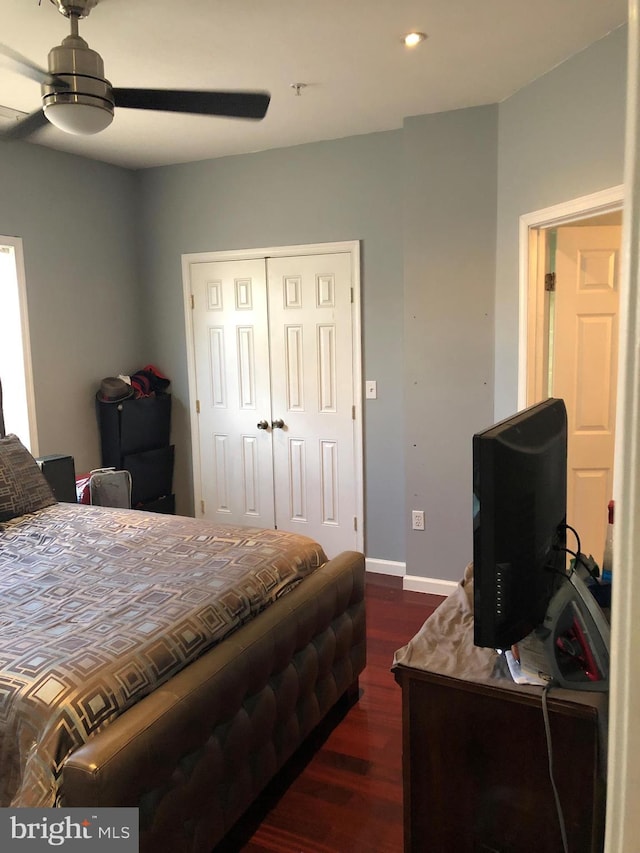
{"x": 547, "y": 731}
{"x": 575, "y": 533}
{"x": 577, "y": 554}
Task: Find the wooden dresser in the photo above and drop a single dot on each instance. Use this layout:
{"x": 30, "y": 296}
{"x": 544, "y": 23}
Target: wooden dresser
{"x": 475, "y": 766}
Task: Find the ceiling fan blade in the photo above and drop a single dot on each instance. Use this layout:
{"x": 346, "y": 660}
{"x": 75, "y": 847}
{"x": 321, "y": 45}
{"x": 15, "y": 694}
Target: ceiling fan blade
{"x": 17, "y": 62}
{"x": 234, "y": 104}
{"x": 25, "y": 126}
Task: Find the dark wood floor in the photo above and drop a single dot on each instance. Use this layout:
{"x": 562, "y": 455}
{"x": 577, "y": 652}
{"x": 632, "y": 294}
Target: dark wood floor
{"x": 344, "y": 792}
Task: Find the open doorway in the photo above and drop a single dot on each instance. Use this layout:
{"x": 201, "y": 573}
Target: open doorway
{"x": 572, "y": 296}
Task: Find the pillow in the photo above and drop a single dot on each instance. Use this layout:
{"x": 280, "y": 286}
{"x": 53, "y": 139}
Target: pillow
{"x": 23, "y": 487}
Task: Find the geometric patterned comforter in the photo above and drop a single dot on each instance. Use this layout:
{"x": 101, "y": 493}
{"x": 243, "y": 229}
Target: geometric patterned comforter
{"x": 98, "y": 606}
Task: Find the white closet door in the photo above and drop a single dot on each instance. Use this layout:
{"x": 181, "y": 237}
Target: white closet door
{"x": 231, "y": 346}
{"x": 310, "y": 332}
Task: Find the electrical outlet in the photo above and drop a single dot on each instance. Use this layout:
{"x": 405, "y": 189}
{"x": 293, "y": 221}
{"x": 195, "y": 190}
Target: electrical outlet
{"x": 417, "y": 519}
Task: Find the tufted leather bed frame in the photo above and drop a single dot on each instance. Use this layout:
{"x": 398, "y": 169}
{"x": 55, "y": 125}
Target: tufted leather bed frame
{"x": 195, "y": 753}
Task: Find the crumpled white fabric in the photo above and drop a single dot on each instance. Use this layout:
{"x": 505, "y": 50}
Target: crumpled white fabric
{"x": 444, "y": 644}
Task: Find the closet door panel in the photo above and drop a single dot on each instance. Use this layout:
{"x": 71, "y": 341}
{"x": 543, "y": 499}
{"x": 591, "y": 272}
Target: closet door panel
{"x": 233, "y": 387}
{"x": 310, "y": 332}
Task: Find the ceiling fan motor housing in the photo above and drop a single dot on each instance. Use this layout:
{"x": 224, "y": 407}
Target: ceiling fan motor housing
{"x": 81, "y": 70}
{"x": 75, "y": 8}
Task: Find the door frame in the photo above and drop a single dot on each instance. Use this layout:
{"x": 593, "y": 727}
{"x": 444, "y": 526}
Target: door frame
{"x": 622, "y": 815}
{"x": 352, "y": 247}
{"x": 529, "y": 313}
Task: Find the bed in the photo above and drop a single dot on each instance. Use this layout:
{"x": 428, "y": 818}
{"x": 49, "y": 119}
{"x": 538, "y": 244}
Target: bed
{"x": 159, "y": 662}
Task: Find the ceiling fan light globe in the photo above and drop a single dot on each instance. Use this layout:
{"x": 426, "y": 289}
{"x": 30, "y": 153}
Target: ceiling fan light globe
{"x": 79, "y": 119}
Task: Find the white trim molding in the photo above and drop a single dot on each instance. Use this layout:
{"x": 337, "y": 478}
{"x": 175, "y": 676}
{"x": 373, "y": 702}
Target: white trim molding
{"x": 385, "y": 567}
{"x": 433, "y": 586}
{"x": 410, "y": 583}
{"x": 623, "y": 776}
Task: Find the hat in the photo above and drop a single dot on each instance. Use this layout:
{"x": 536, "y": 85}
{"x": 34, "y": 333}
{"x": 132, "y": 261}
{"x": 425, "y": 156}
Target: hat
{"x": 113, "y": 390}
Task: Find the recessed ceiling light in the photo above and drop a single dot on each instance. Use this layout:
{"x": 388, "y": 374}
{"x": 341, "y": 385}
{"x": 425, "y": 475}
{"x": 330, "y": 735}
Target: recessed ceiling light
{"x": 412, "y": 39}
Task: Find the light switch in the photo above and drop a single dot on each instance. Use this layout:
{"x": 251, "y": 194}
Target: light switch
{"x": 370, "y": 389}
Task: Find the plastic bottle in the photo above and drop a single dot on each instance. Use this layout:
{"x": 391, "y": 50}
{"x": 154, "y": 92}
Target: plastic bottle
{"x": 607, "y": 559}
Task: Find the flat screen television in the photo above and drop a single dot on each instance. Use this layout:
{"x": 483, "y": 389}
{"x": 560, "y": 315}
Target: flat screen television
{"x": 519, "y": 526}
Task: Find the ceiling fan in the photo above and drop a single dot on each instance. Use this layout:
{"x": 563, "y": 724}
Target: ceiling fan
{"x": 77, "y": 98}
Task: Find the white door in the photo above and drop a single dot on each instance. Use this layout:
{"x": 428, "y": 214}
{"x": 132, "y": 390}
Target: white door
{"x": 266, "y": 353}
{"x": 233, "y": 390}
{"x": 585, "y": 370}
{"x": 310, "y": 333}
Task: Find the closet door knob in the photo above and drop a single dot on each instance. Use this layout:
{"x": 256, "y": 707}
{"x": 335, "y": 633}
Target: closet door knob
{"x": 263, "y": 424}
{"x": 277, "y": 424}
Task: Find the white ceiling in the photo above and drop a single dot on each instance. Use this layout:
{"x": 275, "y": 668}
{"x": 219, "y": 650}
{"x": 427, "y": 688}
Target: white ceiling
{"x": 360, "y": 78}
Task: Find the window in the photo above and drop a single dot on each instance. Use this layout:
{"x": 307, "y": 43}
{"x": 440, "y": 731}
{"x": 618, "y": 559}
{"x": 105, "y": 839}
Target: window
{"x": 15, "y": 350}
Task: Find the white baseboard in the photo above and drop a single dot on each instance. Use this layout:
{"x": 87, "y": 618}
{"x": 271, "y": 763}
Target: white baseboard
{"x": 412, "y": 583}
{"x": 386, "y": 567}
{"x": 434, "y": 586}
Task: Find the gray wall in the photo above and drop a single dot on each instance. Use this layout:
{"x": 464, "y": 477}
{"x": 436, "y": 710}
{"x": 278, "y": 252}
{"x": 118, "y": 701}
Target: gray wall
{"x": 444, "y": 273}
{"x": 450, "y": 169}
{"x": 430, "y": 203}
{"x": 77, "y": 221}
{"x": 559, "y": 138}
{"x": 425, "y": 195}
{"x": 347, "y": 189}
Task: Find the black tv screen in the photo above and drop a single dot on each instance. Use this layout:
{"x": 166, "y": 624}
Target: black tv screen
{"x": 520, "y": 495}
